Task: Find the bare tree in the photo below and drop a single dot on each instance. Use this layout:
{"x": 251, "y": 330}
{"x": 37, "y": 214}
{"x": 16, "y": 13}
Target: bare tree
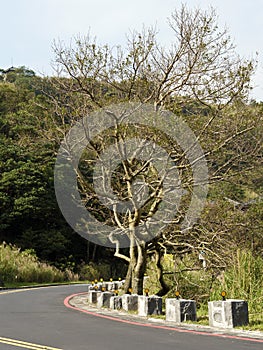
{"x": 200, "y": 68}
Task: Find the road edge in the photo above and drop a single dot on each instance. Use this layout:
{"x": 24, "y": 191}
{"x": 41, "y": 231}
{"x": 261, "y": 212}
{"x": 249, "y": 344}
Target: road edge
{"x": 71, "y": 304}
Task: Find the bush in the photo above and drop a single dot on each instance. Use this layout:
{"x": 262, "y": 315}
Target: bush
{"x": 91, "y": 272}
{"x": 244, "y": 280}
{"x": 184, "y": 275}
{"x": 18, "y": 266}
{"x": 105, "y": 270}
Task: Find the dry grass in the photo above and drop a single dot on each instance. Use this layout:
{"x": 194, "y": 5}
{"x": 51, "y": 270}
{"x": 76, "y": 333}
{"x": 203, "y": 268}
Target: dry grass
{"x": 23, "y": 266}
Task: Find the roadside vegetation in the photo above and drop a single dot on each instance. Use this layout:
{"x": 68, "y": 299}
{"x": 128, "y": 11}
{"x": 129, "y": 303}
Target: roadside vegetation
{"x": 201, "y": 79}
{"x": 23, "y": 267}
{"x": 242, "y": 280}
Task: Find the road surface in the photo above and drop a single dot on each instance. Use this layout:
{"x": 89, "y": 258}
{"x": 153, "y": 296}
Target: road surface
{"x": 37, "y": 319}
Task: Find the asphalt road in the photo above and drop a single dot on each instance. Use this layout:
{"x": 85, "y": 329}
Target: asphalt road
{"x": 39, "y": 317}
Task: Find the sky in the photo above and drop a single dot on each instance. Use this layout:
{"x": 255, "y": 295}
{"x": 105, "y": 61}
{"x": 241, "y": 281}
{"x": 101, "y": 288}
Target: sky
{"x": 29, "y": 27}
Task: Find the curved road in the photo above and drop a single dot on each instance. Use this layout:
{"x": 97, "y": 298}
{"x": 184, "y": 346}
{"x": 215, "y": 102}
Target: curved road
{"x": 37, "y": 319}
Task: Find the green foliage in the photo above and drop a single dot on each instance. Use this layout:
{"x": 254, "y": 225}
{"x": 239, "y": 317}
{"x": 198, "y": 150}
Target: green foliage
{"x": 231, "y": 190}
{"x": 29, "y": 215}
{"x": 92, "y": 271}
{"x": 106, "y": 271}
{"x": 30, "y": 218}
{"x": 25, "y": 161}
{"x": 243, "y": 280}
{"x": 185, "y": 275}
{"x": 49, "y": 244}
{"x": 23, "y": 266}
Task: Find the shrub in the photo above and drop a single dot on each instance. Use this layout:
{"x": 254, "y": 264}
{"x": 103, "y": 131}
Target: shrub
{"x": 244, "y": 280}
{"x": 18, "y": 266}
{"x": 91, "y": 272}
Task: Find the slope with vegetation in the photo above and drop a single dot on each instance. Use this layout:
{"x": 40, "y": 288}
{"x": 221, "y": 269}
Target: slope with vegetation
{"x": 204, "y": 81}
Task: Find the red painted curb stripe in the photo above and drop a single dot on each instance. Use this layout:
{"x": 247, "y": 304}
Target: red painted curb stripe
{"x": 67, "y": 304}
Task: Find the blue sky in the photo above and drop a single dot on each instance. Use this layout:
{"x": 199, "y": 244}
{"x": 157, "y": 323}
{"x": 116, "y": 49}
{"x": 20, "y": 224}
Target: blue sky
{"x": 28, "y": 27}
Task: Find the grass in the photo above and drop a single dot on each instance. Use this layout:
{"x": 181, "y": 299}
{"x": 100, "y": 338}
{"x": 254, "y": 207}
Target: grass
{"x": 243, "y": 279}
{"x": 254, "y": 325}
{"x": 158, "y": 317}
{"x": 18, "y": 266}
{"x": 255, "y": 320}
{"x": 132, "y": 312}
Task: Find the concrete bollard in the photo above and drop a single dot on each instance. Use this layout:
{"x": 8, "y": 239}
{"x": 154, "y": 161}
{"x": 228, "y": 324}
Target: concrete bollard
{"x": 228, "y": 313}
{"x": 149, "y": 305}
{"x": 104, "y": 286}
{"x": 116, "y": 285}
{"x": 180, "y": 310}
{"x": 97, "y": 287}
{"x": 104, "y": 299}
{"x": 93, "y": 296}
{"x": 116, "y": 303}
{"x": 130, "y": 302}
{"x": 90, "y": 287}
{"x": 110, "y": 286}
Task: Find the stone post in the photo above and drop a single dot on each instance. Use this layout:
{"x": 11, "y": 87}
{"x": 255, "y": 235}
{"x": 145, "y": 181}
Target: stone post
{"x": 104, "y": 299}
{"x": 116, "y": 285}
{"x": 180, "y": 310}
{"x": 130, "y": 302}
{"x": 110, "y": 286}
{"x": 149, "y": 305}
{"x": 90, "y": 287}
{"x": 97, "y": 286}
{"x": 93, "y": 296}
{"x": 104, "y": 286}
{"x": 116, "y": 302}
{"x": 228, "y": 313}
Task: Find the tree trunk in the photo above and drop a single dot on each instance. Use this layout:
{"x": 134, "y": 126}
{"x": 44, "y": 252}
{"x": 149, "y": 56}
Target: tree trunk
{"x": 94, "y": 252}
{"x": 132, "y": 263}
{"x": 164, "y": 288}
{"x": 137, "y": 265}
{"x": 139, "y": 269}
{"x": 128, "y": 279}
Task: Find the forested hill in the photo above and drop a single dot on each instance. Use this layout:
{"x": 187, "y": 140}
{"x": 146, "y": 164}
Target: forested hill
{"x": 29, "y": 215}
